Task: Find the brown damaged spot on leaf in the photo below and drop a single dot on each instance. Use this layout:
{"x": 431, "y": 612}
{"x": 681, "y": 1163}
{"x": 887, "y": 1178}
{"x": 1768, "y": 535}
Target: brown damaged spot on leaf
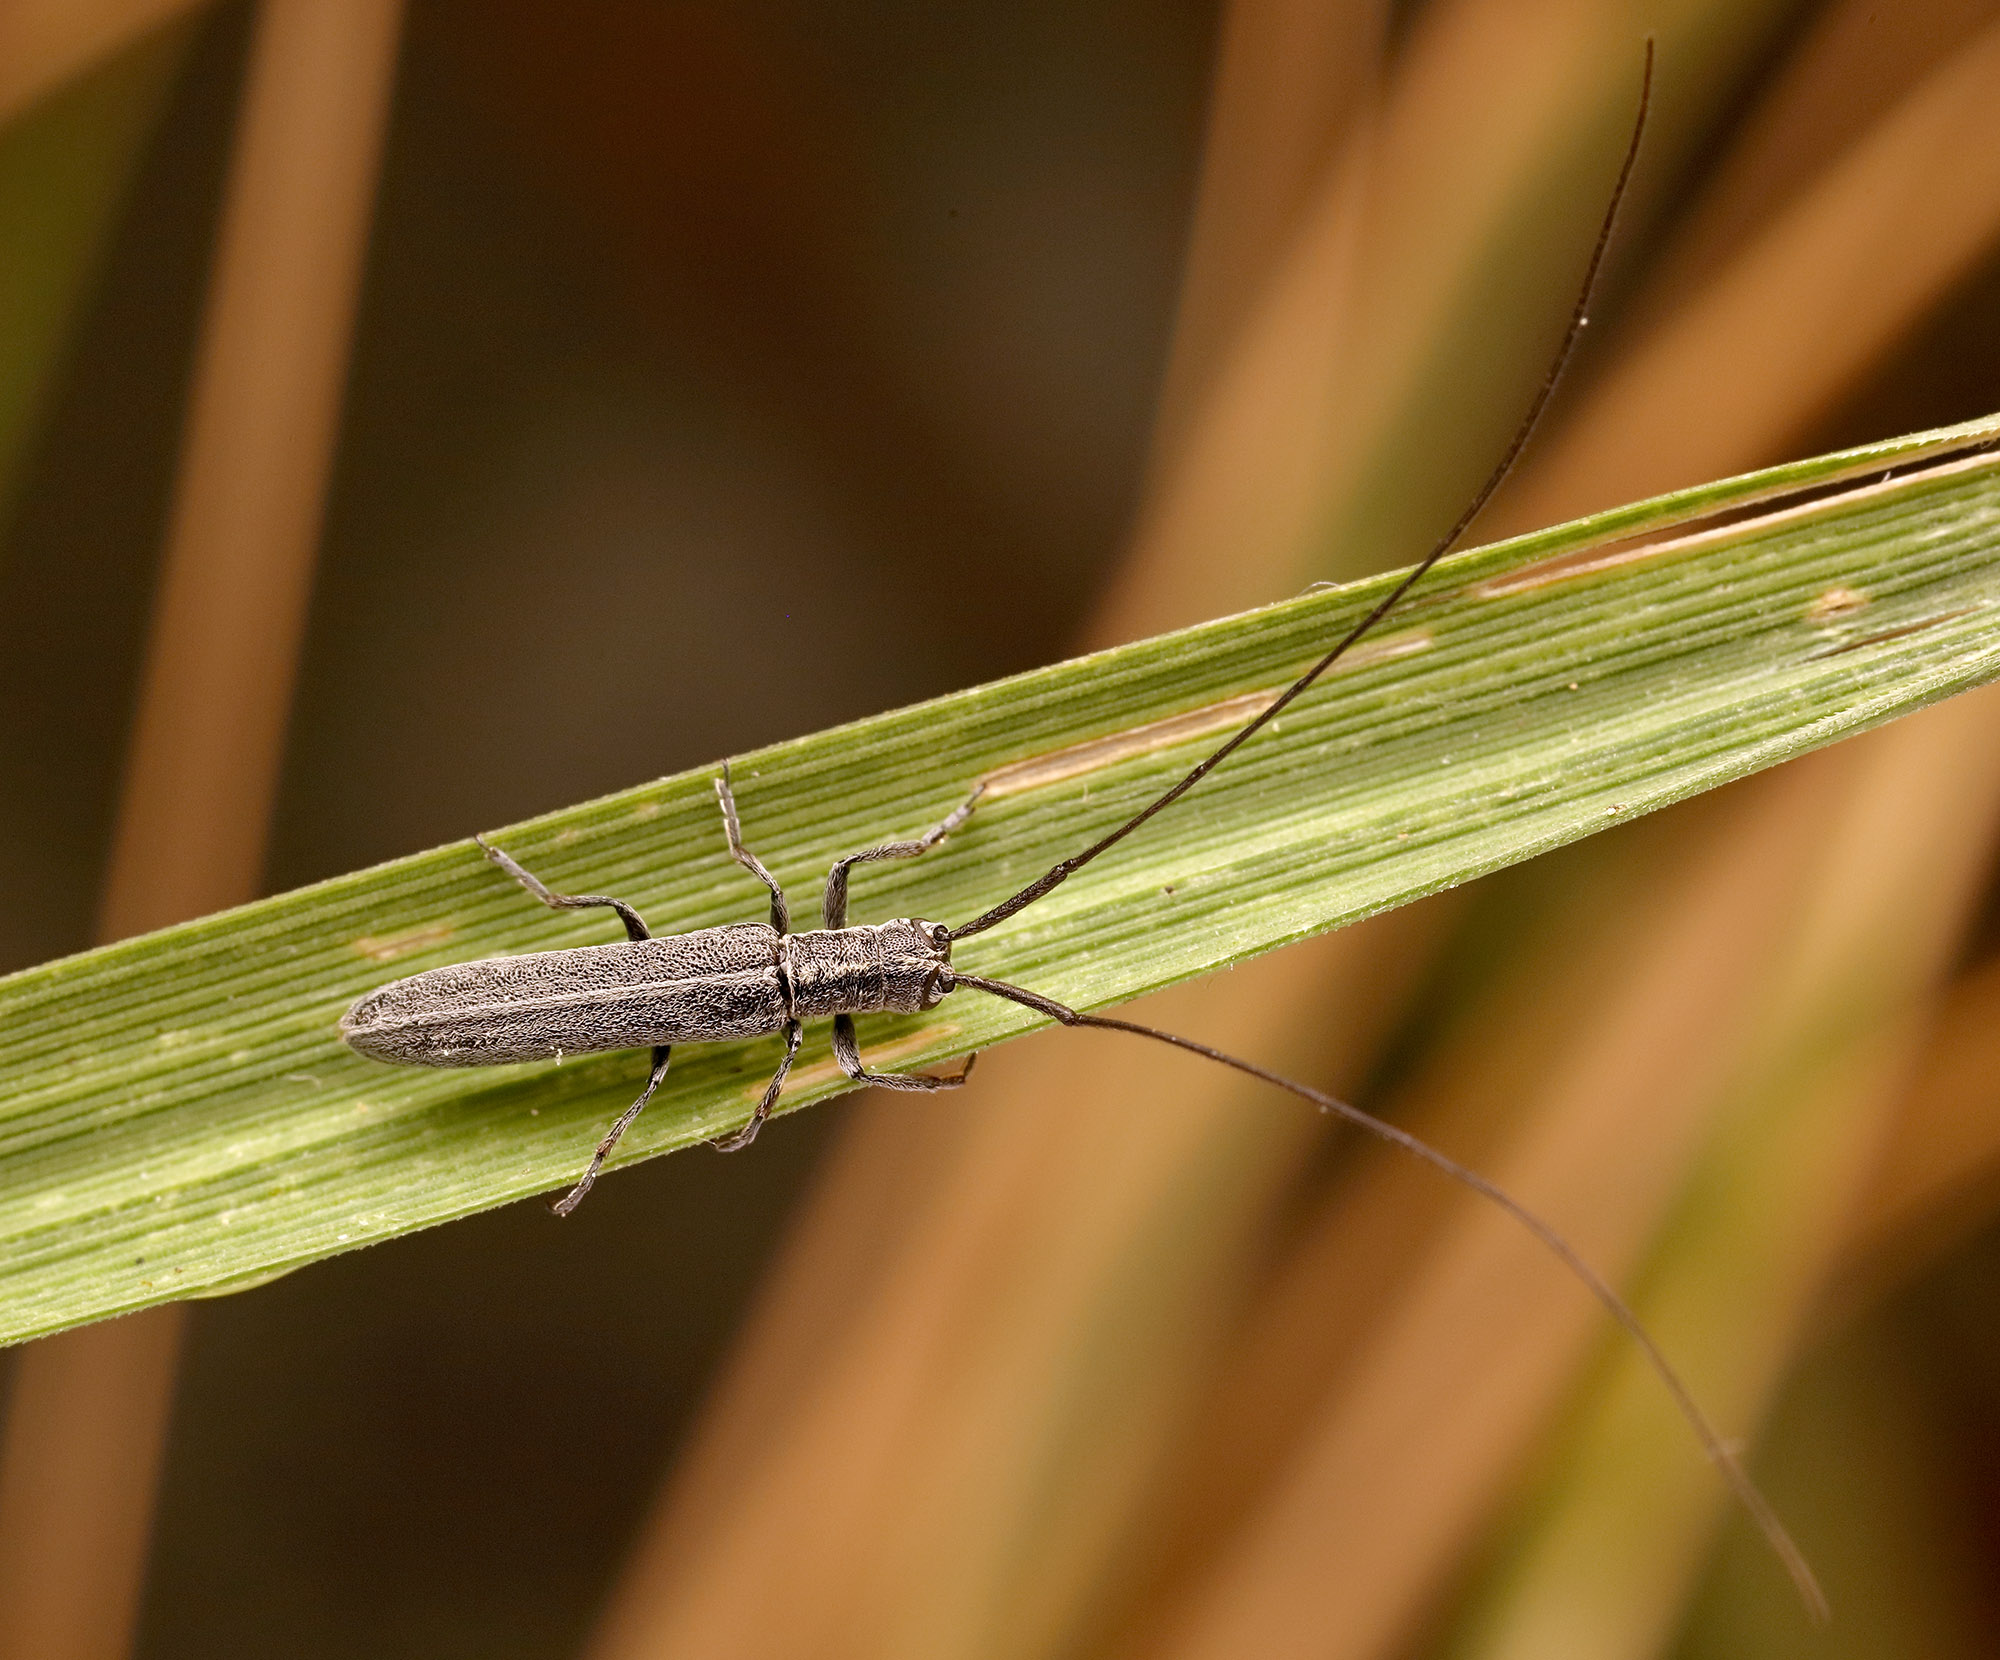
{"x": 1834, "y": 604}
{"x": 1732, "y": 524}
{"x": 1902, "y": 632}
{"x": 1094, "y": 754}
{"x": 386, "y": 948}
{"x": 1586, "y": 562}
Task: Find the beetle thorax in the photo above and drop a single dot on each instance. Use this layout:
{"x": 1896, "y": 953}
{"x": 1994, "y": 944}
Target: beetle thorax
{"x": 898, "y": 967}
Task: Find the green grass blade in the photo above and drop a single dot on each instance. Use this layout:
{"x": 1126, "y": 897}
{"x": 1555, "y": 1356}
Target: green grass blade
{"x": 177, "y": 1115}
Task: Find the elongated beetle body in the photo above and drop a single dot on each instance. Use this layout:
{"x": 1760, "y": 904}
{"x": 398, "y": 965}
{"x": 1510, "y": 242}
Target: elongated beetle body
{"x": 751, "y": 979}
{"x": 745, "y": 979}
{"x": 739, "y": 981}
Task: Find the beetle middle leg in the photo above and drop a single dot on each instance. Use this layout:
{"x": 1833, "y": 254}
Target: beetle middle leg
{"x": 833, "y": 909}
{"x": 737, "y": 1140}
{"x": 781, "y": 918}
{"x": 848, "y": 1054}
{"x": 635, "y": 926}
{"x": 570, "y": 1200}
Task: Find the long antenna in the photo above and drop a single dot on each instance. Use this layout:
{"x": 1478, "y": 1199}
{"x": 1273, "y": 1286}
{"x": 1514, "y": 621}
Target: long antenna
{"x": 1579, "y": 317}
{"x": 1738, "y": 1479}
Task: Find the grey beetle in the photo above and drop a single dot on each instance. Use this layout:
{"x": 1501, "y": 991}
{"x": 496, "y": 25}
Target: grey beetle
{"x": 749, "y": 979}
{"x": 744, "y": 979}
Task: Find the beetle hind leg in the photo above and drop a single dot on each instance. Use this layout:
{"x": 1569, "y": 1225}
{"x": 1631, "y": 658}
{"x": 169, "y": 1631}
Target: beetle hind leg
{"x": 570, "y": 1200}
{"x": 635, "y": 925}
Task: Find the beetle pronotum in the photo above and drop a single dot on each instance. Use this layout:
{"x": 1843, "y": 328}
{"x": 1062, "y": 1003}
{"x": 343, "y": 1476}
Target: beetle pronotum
{"x": 752, "y": 979}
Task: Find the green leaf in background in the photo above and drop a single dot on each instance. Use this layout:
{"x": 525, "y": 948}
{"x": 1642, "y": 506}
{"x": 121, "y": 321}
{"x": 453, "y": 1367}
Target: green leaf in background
{"x": 64, "y": 169}
{"x": 178, "y": 1116}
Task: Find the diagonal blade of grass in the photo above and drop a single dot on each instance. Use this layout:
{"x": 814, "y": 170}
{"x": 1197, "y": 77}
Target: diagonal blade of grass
{"x": 177, "y": 1116}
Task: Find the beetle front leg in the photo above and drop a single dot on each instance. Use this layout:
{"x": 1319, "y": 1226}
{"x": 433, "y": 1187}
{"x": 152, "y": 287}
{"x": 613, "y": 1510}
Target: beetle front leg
{"x": 848, "y": 1055}
{"x": 833, "y": 908}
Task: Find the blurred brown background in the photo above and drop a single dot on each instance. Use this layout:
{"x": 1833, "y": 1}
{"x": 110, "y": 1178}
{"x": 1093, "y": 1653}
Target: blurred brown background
{"x": 720, "y": 373}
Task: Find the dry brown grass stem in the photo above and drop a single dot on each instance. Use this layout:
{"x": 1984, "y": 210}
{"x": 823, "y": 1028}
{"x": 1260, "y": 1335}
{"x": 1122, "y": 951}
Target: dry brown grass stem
{"x": 1743, "y": 366}
{"x": 1852, "y": 66}
{"x": 1050, "y": 1262}
{"x": 45, "y": 44}
{"x": 1276, "y": 215}
{"x": 87, "y": 1423}
{"x": 1939, "y": 1174}
{"x": 1293, "y": 82}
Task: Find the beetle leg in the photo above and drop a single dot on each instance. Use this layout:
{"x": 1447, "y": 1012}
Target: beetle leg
{"x": 833, "y": 909}
{"x": 570, "y": 1200}
{"x": 780, "y": 915}
{"x": 740, "y": 1139}
{"x": 849, "y": 1056}
{"x": 635, "y": 926}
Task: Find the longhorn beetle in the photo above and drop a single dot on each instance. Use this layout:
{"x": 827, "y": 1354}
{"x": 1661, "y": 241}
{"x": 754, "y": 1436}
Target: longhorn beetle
{"x": 747, "y": 979}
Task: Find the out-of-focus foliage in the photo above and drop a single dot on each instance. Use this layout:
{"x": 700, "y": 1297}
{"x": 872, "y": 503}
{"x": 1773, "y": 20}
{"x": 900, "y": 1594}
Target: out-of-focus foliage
{"x": 65, "y": 166}
{"x": 726, "y": 373}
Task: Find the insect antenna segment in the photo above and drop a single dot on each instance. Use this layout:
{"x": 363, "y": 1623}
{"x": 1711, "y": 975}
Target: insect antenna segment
{"x": 1712, "y": 1444}
{"x": 1579, "y": 318}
